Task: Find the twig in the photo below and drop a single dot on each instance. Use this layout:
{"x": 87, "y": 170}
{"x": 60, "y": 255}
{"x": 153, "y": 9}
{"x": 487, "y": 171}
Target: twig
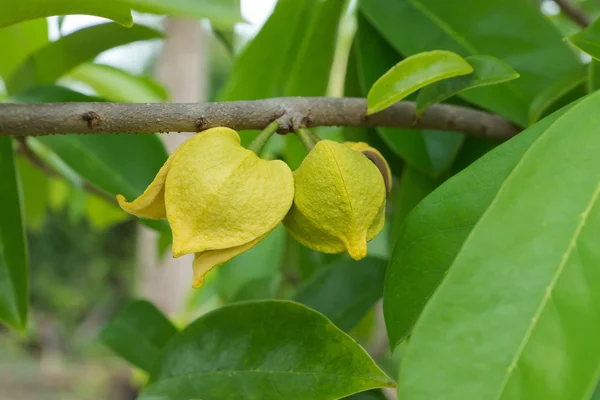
{"x": 574, "y": 12}
{"x": 37, "y": 162}
{"x": 290, "y": 112}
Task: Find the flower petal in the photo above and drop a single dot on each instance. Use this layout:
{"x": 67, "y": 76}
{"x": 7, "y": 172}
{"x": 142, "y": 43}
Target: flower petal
{"x": 220, "y": 195}
{"x": 151, "y": 204}
{"x": 205, "y": 261}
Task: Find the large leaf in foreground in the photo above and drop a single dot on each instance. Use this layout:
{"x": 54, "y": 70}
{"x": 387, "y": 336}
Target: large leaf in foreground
{"x": 435, "y": 230}
{"x": 268, "y": 350}
{"x": 13, "y": 249}
{"x": 520, "y": 304}
{"x": 345, "y": 291}
{"x": 413, "y": 73}
{"x": 138, "y": 333}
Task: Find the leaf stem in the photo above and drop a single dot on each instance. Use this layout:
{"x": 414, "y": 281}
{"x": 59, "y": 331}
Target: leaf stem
{"x": 259, "y": 142}
{"x": 306, "y": 137}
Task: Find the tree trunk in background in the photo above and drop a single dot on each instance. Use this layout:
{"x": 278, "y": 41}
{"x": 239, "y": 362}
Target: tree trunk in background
{"x": 182, "y": 68}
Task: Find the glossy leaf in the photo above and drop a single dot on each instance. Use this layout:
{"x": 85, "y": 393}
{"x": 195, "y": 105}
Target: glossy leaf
{"x": 588, "y": 40}
{"x": 487, "y": 70}
{"x": 431, "y": 152}
{"x": 138, "y": 333}
{"x": 344, "y": 291}
{"x": 14, "y": 270}
{"x": 17, "y": 42}
{"x": 435, "y": 230}
{"x": 552, "y": 94}
{"x": 413, "y": 73}
{"x": 117, "y": 85}
{"x": 17, "y": 11}
{"x": 514, "y": 31}
{"x": 520, "y": 303}
{"x": 55, "y": 59}
{"x": 265, "y": 350}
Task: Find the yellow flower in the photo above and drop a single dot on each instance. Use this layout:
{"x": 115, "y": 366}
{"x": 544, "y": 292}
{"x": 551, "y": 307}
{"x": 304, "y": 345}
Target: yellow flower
{"x": 339, "y": 201}
{"x": 220, "y": 199}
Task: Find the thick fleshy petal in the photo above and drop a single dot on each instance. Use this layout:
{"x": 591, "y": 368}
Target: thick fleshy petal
{"x": 207, "y": 260}
{"x": 339, "y": 200}
{"x": 151, "y": 203}
{"x": 377, "y": 158}
{"x": 220, "y": 195}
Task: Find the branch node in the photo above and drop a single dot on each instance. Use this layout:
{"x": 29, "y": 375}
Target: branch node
{"x": 92, "y": 118}
{"x": 201, "y": 124}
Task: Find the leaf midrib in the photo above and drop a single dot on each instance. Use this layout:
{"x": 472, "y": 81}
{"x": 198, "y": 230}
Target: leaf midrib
{"x": 549, "y": 290}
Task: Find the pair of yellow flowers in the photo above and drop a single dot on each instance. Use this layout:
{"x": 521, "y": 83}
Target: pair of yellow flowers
{"x": 221, "y": 199}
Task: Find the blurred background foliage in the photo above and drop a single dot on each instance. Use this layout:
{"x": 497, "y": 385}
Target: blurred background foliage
{"x": 84, "y": 251}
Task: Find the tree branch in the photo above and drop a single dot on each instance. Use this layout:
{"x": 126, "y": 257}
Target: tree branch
{"x": 575, "y": 13}
{"x": 290, "y": 112}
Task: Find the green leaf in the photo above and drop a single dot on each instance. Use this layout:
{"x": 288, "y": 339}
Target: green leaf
{"x": 431, "y": 152}
{"x": 17, "y": 11}
{"x": 588, "y": 40}
{"x": 487, "y": 70}
{"x": 514, "y": 31}
{"x": 19, "y": 41}
{"x": 138, "y": 334}
{"x": 414, "y": 187}
{"x": 317, "y": 42}
{"x": 221, "y": 13}
{"x": 260, "y": 68}
{"x": 14, "y": 286}
{"x": 593, "y": 81}
{"x": 259, "y": 263}
{"x": 263, "y": 350}
{"x": 35, "y": 187}
{"x": 344, "y": 291}
{"x": 553, "y": 94}
{"x": 413, "y": 73}
{"x": 435, "y": 230}
{"x": 520, "y": 303}
{"x": 117, "y": 85}
{"x": 54, "y": 60}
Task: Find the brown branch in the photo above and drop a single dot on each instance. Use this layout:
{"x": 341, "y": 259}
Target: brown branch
{"x": 574, "y": 12}
{"x": 290, "y": 112}
{"x": 25, "y": 151}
